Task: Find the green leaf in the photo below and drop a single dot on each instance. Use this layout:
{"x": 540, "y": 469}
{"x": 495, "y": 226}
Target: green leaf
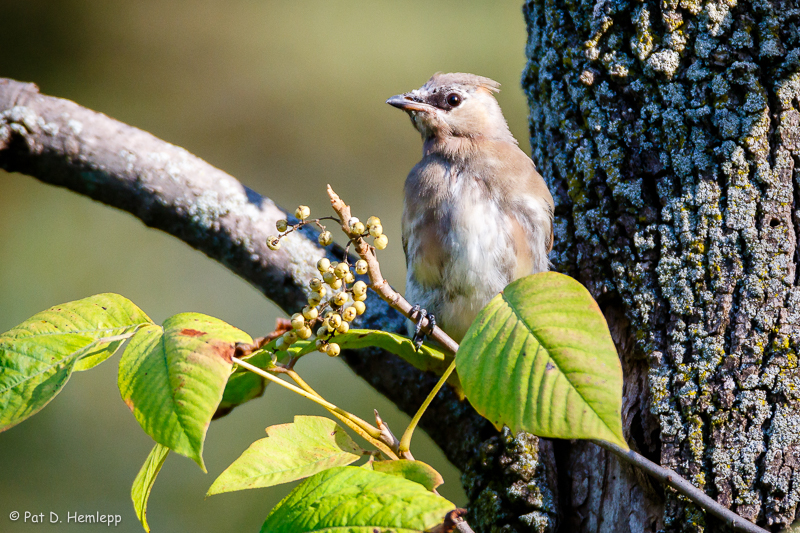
{"x": 290, "y": 451}
{"x": 350, "y": 499}
{"x": 244, "y": 385}
{"x": 539, "y": 358}
{"x": 427, "y": 359}
{"x": 38, "y": 356}
{"x": 143, "y": 484}
{"x": 172, "y": 378}
{"x": 241, "y": 388}
{"x": 415, "y": 471}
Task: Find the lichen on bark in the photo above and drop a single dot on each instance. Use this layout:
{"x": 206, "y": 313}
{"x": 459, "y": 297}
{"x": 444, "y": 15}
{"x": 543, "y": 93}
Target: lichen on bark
{"x": 669, "y": 134}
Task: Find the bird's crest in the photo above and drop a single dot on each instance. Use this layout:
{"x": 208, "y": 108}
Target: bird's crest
{"x": 462, "y": 78}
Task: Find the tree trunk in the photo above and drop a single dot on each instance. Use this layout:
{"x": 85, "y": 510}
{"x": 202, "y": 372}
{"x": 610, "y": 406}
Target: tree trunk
{"x": 669, "y": 133}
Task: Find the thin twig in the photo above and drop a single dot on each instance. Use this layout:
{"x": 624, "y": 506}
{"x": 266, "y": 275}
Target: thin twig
{"x": 378, "y": 283}
{"x": 671, "y": 478}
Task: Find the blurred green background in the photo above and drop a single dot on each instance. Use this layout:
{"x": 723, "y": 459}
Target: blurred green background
{"x": 286, "y": 96}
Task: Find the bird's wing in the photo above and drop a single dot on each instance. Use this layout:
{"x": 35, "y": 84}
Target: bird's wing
{"x": 523, "y": 191}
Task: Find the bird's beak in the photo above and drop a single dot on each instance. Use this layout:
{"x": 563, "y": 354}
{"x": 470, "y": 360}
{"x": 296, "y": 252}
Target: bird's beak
{"x": 408, "y": 102}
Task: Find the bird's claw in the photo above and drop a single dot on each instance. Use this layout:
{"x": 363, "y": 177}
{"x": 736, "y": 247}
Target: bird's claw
{"x": 418, "y": 314}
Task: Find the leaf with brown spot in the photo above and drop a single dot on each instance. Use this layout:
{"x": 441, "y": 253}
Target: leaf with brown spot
{"x": 175, "y": 380}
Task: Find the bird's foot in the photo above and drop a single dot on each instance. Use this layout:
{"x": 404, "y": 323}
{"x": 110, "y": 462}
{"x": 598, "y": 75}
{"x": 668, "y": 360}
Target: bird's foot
{"x": 417, "y": 314}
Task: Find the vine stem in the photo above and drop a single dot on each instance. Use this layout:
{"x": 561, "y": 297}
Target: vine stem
{"x": 671, "y": 478}
{"x": 405, "y": 440}
{"x": 366, "y": 426}
{"x": 665, "y": 475}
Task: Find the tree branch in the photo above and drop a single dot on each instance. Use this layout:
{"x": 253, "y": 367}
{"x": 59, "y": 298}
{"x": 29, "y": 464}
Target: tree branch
{"x": 61, "y": 143}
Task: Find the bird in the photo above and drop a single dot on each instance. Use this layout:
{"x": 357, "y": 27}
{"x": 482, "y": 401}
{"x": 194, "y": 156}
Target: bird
{"x": 476, "y": 213}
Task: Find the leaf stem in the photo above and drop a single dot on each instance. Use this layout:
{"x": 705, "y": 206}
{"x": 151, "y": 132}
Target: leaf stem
{"x": 405, "y": 440}
{"x": 372, "y": 431}
{"x": 366, "y": 426}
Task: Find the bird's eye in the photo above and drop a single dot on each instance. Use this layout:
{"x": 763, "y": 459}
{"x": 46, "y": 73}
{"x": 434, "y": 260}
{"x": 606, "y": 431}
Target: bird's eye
{"x": 453, "y": 99}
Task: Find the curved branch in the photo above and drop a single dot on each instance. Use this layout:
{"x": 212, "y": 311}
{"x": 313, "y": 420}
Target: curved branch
{"x": 61, "y": 143}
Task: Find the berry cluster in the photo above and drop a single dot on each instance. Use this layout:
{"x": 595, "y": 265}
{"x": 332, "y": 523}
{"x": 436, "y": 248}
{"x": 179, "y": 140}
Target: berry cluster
{"x": 333, "y": 315}
{"x": 356, "y": 228}
{"x": 329, "y": 314}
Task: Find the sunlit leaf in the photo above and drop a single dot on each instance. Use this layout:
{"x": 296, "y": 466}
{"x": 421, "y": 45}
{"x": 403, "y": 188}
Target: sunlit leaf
{"x": 172, "y": 378}
{"x": 291, "y": 451}
{"x": 357, "y": 500}
{"x": 143, "y": 484}
{"x": 539, "y": 358}
{"x": 415, "y": 471}
{"x": 38, "y": 356}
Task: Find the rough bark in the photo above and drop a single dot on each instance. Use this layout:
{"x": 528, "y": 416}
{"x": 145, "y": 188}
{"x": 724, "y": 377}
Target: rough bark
{"x": 64, "y": 144}
{"x": 669, "y": 134}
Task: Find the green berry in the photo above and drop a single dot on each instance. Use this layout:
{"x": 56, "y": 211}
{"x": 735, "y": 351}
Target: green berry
{"x": 376, "y": 230}
{"x": 357, "y": 228}
{"x": 349, "y": 314}
{"x": 325, "y": 238}
{"x": 381, "y": 242}
{"x": 298, "y": 321}
{"x": 281, "y": 225}
{"x": 341, "y": 270}
{"x": 310, "y": 313}
{"x": 290, "y": 337}
{"x": 314, "y": 299}
{"x": 333, "y": 349}
{"x": 359, "y": 288}
{"x": 315, "y": 284}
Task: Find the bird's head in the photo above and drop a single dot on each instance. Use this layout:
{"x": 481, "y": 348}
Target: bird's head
{"x": 455, "y": 105}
